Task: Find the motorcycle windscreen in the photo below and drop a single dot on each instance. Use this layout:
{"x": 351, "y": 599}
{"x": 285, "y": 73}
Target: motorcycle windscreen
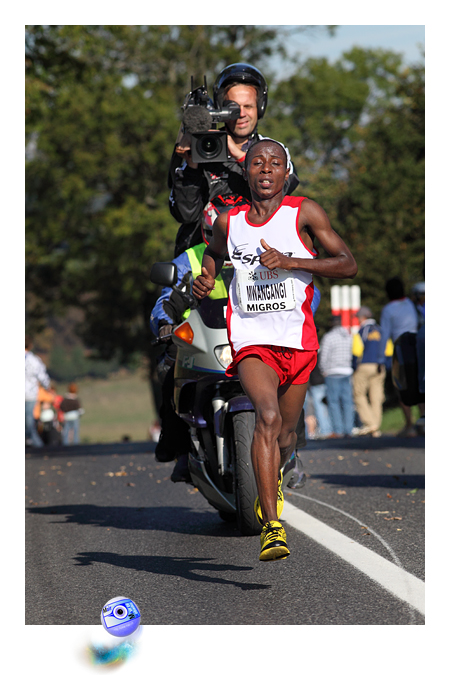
{"x": 213, "y": 312}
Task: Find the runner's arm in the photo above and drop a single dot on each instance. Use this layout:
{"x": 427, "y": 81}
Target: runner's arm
{"x": 339, "y": 265}
{"x": 213, "y": 258}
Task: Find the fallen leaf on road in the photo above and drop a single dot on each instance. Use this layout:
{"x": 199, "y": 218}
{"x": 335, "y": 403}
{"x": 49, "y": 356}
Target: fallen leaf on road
{"x": 42, "y": 473}
{"x": 342, "y": 492}
{"x": 93, "y": 482}
{"x": 131, "y": 484}
{"x": 382, "y": 512}
{"x": 389, "y": 466}
{"x": 341, "y": 457}
{"x": 389, "y": 496}
{"x": 121, "y": 473}
{"x": 394, "y": 518}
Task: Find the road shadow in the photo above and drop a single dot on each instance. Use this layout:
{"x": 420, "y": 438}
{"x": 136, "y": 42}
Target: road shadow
{"x": 365, "y": 443}
{"x": 125, "y": 448}
{"x": 400, "y": 482}
{"x": 180, "y": 519}
{"x": 176, "y": 566}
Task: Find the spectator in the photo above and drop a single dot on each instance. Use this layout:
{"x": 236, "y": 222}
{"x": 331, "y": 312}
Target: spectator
{"x": 35, "y": 373}
{"x": 317, "y": 392}
{"x": 418, "y": 297}
{"x": 398, "y": 317}
{"x": 418, "y": 293}
{"x": 71, "y": 407}
{"x": 335, "y": 363}
{"x": 369, "y": 375}
{"x": 48, "y": 423}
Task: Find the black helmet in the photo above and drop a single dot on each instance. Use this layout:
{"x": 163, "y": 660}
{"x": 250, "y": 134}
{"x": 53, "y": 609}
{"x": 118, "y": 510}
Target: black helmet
{"x": 241, "y": 73}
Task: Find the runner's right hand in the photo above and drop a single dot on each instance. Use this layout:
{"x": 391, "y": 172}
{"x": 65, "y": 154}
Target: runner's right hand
{"x": 203, "y": 284}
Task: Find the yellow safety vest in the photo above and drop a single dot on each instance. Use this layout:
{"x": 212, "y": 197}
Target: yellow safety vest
{"x": 195, "y": 255}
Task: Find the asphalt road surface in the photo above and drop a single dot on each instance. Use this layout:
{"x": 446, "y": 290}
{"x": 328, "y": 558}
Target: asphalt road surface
{"x": 105, "y": 520}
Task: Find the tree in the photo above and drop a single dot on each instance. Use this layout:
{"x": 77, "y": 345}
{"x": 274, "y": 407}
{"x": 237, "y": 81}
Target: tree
{"x": 355, "y": 130}
{"x": 383, "y": 209}
{"x": 102, "y": 114}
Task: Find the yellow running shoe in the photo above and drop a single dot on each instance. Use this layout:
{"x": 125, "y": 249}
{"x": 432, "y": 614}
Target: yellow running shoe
{"x": 280, "y": 502}
{"x": 273, "y": 542}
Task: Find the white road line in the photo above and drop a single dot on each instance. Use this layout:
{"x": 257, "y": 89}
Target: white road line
{"x": 393, "y": 578}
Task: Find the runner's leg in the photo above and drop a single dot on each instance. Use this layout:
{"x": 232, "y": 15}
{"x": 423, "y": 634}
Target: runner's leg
{"x": 260, "y": 382}
{"x": 291, "y": 398}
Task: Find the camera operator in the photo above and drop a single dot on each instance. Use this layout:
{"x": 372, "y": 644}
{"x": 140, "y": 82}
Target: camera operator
{"x": 194, "y": 184}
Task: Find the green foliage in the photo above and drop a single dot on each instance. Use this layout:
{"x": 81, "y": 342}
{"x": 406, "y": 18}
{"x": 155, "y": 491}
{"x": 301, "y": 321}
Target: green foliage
{"x": 102, "y": 114}
{"x": 355, "y": 130}
{"x": 68, "y": 365}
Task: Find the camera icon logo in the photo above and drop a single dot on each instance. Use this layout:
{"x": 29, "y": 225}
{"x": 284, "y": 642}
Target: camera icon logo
{"x": 120, "y": 616}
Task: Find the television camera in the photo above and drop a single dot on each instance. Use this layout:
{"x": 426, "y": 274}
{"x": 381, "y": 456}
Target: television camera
{"x": 200, "y": 119}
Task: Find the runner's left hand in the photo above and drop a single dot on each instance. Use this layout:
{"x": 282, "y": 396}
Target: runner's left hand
{"x": 271, "y": 258}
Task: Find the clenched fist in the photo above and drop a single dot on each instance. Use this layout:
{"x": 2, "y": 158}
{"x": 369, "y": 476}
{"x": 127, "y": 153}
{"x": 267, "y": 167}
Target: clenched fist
{"x": 203, "y": 284}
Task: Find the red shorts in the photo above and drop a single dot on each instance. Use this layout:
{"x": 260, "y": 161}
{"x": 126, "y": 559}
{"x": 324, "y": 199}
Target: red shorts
{"x": 293, "y": 366}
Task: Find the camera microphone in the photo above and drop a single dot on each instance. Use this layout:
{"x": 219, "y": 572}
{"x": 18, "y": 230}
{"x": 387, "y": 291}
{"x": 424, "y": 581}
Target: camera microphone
{"x": 196, "y": 120}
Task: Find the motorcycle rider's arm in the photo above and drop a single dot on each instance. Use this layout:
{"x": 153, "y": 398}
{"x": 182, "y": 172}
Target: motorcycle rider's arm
{"x": 213, "y": 258}
{"x": 169, "y": 307}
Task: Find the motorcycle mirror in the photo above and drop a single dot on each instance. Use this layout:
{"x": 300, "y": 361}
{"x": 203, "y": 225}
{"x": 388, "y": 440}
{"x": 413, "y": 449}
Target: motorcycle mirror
{"x": 164, "y": 274}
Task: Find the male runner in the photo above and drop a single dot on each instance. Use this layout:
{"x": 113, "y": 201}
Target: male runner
{"x": 269, "y": 318}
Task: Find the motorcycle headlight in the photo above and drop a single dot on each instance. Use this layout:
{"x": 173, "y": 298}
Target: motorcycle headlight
{"x": 223, "y": 355}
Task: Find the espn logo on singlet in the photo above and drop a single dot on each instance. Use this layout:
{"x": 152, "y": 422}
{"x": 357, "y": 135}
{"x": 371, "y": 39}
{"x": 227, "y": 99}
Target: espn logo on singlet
{"x": 249, "y": 258}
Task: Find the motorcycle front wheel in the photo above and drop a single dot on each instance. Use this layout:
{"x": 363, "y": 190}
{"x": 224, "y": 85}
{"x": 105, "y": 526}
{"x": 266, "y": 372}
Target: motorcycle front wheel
{"x": 245, "y": 483}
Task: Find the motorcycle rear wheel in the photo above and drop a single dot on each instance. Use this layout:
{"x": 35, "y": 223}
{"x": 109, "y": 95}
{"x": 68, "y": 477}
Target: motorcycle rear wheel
{"x": 245, "y": 483}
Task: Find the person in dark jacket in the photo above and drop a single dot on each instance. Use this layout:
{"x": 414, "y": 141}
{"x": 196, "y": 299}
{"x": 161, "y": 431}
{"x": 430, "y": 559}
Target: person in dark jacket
{"x": 192, "y": 184}
{"x": 170, "y": 309}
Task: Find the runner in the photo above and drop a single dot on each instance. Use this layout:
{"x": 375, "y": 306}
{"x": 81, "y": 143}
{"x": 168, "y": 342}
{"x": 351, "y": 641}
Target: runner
{"x": 269, "y": 318}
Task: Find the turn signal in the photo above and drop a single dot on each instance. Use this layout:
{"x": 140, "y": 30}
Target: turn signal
{"x": 185, "y": 332}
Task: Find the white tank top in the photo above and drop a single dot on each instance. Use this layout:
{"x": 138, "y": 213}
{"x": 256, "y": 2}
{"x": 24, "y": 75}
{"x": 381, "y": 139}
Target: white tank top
{"x": 269, "y": 307}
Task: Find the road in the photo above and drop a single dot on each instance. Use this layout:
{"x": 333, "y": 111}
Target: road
{"x": 106, "y": 520}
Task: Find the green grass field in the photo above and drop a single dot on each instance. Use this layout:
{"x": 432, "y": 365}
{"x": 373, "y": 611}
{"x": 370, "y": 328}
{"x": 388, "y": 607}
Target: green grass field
{"x": 116, "y": 407}
{"x": 123, "y": 406}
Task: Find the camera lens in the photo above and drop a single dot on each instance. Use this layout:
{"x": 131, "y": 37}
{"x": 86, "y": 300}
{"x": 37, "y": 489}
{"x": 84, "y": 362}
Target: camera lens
{"x": 209, "y": 147}
{"x": 120, "y": 612}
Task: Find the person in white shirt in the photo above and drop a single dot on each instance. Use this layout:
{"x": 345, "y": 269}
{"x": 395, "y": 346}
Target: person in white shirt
{"x": 35, "y": 374}
{"x": 335, "y": 363}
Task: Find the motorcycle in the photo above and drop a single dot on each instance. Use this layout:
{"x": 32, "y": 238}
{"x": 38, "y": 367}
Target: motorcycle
{"x": 220, "y": 416}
